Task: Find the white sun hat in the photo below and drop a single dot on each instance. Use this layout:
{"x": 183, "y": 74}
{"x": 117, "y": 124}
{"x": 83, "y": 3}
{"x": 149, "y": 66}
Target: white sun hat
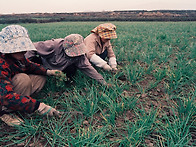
{"x": 15, "y": 38}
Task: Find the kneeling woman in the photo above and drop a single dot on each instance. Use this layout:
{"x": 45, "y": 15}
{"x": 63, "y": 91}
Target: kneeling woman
{"x": 66, "y": 54}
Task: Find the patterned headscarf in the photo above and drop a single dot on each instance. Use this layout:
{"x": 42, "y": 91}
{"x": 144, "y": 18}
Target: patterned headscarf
{"x": 74, "y": 45}
{"x": 106, "y": 31}
{"x": 15, "y": 38}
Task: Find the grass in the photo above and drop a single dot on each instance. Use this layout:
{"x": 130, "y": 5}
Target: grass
{"x": 151, "y": 103}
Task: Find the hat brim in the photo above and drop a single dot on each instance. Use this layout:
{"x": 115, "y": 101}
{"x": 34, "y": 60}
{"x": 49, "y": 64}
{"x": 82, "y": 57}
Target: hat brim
{"x": 108, "y": 35}
{"x": 16, "y": 45}
{"x": 76, "y": 50}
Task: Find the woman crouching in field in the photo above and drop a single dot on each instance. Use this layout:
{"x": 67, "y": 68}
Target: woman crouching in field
{"x": 66, "y": 55}
{"x": 20, "y": 78}
{"x": 99, "y": 46}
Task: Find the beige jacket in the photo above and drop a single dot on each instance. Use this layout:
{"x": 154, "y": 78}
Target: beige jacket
{"x": 94, "y": 47}
{"x": 93, "y": 44}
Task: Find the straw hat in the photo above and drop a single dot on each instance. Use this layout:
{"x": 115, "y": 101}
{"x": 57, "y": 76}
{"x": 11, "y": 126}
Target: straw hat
{"x": 74, "y": 45}
{"x": 15, "y": 38}
{"x": 106, "y": 31}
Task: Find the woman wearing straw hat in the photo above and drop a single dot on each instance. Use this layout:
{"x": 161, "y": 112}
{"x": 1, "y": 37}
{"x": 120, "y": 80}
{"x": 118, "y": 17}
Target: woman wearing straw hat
{"x": 99, "y": 46}
{"x": 65, "y": 54}
{"x": 20, "y": 78}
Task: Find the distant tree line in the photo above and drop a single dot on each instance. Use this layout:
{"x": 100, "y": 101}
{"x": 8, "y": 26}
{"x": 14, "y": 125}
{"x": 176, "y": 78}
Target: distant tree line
{"x": 156, "y": 15}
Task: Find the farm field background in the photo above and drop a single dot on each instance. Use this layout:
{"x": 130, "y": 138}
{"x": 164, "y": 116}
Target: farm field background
{"x": 151, "y": 103}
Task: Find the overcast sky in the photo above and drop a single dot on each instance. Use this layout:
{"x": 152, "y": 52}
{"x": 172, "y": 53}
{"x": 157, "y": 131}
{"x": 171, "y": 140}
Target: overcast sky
{"x": 58, "y": 6}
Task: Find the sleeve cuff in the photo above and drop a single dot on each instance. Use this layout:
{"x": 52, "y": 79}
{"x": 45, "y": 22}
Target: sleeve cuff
{"x": 36, "y": 106}
{"x": 97, "y": 61}
{"x": 112, "y": 62}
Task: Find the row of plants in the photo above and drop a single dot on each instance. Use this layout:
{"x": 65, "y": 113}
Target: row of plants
{"x": 151, "y": 101}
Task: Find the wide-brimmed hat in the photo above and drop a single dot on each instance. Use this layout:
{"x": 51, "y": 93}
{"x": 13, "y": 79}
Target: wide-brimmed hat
{"x": 74, "y": 45}
{"x": 15, "y": 38}
{"x": 105, "y": 31}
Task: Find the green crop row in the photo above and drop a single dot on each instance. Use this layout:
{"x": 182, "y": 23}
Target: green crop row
{"x": 152, "y": 101}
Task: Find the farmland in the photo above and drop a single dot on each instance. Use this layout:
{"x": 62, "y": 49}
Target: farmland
{"x": 152, "y": 100}
{"x": 129, "y": 15}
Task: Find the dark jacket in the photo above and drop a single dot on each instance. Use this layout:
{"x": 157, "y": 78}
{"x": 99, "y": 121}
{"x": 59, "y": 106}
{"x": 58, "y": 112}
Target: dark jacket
{"x": 8, "y": 98}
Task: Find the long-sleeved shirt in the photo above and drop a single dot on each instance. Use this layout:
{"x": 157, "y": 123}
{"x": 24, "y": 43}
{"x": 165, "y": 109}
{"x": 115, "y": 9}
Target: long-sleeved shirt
{"x": 8, "y": 98}
{"x": 54, "y": 57}
{"x": 94, "y": 46}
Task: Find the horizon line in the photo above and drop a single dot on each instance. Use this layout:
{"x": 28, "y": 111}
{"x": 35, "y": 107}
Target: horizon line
{"x": 100, "y": 11}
